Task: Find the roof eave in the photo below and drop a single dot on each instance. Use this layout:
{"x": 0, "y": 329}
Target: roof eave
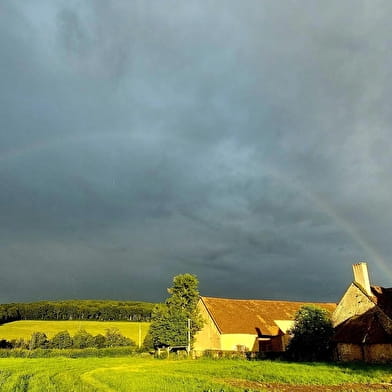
{"x": 211, "y": 316}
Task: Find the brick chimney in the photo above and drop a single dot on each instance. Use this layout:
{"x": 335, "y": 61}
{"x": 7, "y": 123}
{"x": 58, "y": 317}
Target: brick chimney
{"x": 361, "y": 276}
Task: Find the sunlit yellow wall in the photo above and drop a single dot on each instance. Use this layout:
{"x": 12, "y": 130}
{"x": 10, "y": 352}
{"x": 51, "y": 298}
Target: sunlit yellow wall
{"x": 209, "y": 337}
{"x": 231, "y": 341}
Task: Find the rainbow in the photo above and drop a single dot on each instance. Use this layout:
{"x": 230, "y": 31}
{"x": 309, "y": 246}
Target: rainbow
{"x": 340, "y": 221}
{"x": 289, "y": 182}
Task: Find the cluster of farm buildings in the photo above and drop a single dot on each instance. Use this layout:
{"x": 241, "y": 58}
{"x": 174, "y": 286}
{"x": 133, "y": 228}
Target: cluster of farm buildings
{"x": 362, "y": 320}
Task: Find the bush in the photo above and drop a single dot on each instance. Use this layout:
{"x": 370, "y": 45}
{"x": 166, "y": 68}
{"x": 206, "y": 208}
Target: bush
{"x": 312, "y": 334}
{"x": 61, "y": 340}
{"x": 99, "y": 341}
{"x": 19, "y": 343}
{"x": 5, "y": 344}
{"x": 148, "y": 343}
{"x": 38, "y": 340}
{"x": 83, "y": 339}
{"x": 113, "y": 338}
{"x": 68, "y": 353}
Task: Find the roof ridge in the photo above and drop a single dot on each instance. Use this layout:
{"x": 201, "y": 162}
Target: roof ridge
{"x": 267, "y": 300}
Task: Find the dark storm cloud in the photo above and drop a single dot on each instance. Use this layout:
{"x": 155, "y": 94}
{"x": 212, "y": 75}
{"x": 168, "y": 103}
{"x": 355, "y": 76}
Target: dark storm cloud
{"x": 247, "y": 143}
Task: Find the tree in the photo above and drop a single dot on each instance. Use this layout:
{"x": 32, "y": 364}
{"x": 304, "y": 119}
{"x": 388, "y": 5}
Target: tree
{"x": 99, "y": 341}
{"x": 82, "y": 339}
{"x": 312, "y": 332}
{"x": 61, "y": 340}
{"x": 169, "y": 325}
{"x": 38, "y": 340}
{"x": 167, "y": 328}
{"x": 113, "y": 338}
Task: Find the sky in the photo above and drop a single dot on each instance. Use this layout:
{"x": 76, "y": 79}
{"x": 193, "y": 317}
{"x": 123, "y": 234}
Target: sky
{"x": 247, "y": 142}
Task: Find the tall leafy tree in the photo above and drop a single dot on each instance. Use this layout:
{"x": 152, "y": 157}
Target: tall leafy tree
{"x": 312, "y": 332}
{"x": 61, "y": 340}
{"x": 169, "y": 325}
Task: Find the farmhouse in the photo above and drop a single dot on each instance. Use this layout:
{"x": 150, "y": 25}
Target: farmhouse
{"x": 247, "y": 325}
{"x": 363, "y": 320}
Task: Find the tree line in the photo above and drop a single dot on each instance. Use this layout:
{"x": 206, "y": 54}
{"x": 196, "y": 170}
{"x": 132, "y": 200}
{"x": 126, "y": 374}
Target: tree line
{"x": 63, "y": 340}
{"x": 77, "y": 310}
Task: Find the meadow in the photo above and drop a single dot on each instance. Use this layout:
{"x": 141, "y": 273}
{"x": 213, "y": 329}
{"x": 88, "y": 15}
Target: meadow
{"x": 129, "y": 374}
{"x": 100, "y": 370}
{"x": 24, "y": 328}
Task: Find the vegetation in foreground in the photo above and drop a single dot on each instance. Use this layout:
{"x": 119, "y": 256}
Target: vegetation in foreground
{"x": 128, "y": 374}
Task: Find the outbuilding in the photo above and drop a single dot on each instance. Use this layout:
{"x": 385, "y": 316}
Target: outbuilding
{"x": 363, "y": 320}
{"x": 251, "y": 325}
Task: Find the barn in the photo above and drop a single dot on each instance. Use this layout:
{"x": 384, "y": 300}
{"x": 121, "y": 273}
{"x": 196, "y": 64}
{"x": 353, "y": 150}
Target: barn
{"x": 363, "y": 320}
{"x": 247, "y": 325}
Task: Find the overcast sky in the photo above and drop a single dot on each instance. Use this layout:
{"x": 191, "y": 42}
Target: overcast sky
{"x": 247, "y": 142}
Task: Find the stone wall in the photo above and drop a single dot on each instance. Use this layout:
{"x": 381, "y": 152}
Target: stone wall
{"x": 378, "y": 353}
{"x": 349, "y": 352}
{"x": 368, "y": 353}
{"x": 353, "y": 303}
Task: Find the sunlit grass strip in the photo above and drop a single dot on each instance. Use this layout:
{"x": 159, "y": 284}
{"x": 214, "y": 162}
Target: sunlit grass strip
{"x": 130, "y": 374}
{"x": 23, "y": 329}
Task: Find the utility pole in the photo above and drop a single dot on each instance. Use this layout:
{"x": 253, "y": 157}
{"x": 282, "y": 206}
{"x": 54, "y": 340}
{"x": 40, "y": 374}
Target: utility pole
{"x": 188, "y": 349}
{"x": 140, "y": 334}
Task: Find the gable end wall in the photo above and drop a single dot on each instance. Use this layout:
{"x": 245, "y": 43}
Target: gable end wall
{"x": 353, "y": 303}
{"x": 208, "y": 338}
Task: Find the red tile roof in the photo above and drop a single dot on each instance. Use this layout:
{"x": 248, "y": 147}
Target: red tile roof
{"x": 383, "y": 298}
{"x": 247, "y": 316}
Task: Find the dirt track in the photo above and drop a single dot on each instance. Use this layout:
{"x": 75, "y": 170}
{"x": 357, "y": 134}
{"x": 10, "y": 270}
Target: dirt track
{"x": 257, "y": 386}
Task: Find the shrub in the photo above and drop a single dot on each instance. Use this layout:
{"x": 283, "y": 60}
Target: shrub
{"x": 38, "y": 340}
{"x": 312, "y": 334}
{"x": 19, "y": 343}
{"x": 113, "y": 338}
{"x": 5, "y": 344}
{"x": 99, "y": 341}
{"x": 83, "y": 339}
{"x": 61, "y": 340}
{"x": 69, "y": 353}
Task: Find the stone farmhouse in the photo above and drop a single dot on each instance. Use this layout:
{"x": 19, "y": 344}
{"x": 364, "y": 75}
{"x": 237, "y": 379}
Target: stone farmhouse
{"x": 363, "y": 320}
{"x": 259, "y": 326}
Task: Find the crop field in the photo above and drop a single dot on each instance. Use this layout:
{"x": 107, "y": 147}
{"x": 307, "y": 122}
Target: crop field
{"x": 129, "y": 374}
{"x": 23, "y": 329}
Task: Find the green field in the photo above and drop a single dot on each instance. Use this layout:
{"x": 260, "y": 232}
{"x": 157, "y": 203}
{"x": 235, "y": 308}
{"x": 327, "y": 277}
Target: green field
{"x": 131, "y": 374}
{"x": 24, "y": 329}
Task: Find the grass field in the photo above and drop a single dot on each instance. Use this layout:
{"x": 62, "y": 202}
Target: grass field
{"x": 24, "y": 329}
{"x": 129, "y": 374}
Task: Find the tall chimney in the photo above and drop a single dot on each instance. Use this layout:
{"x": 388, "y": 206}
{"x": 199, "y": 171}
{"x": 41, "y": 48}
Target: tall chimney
{"x": 361, "y": 276}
